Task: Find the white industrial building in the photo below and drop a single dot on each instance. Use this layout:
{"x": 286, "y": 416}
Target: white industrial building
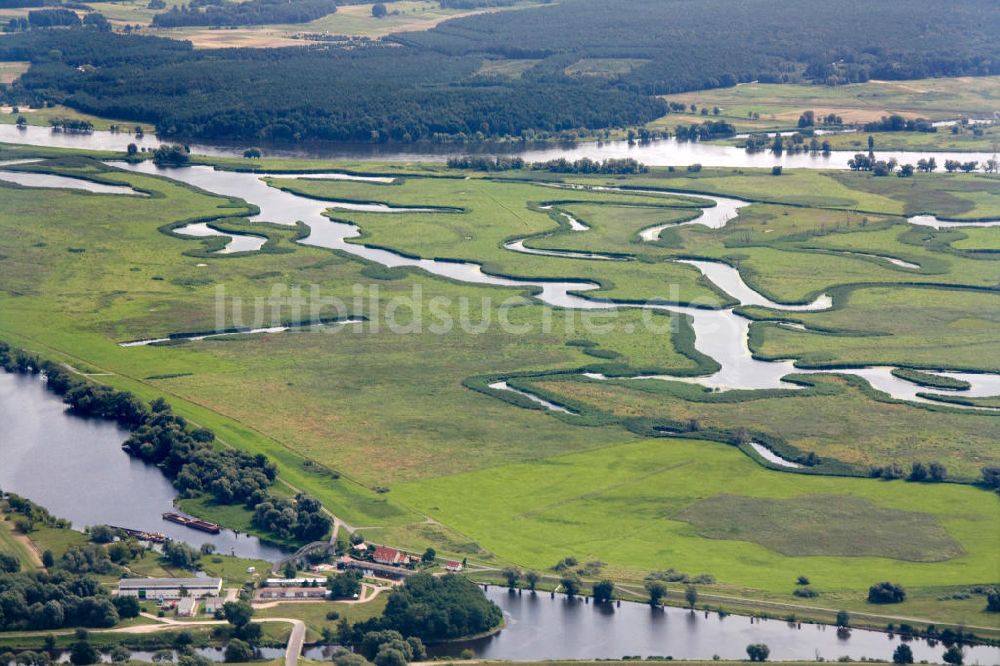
{"x": 169, "y": 588}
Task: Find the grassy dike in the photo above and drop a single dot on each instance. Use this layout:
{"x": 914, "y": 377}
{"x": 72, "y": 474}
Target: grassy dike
{"x": 408, "y": 423}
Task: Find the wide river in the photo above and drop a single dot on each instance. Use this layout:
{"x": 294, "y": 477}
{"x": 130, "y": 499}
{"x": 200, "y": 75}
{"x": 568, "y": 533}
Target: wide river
{"x": 658, "y": 153}
{"x": 543, "y": 626}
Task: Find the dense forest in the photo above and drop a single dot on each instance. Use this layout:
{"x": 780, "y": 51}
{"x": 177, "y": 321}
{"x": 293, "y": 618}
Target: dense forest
{"x": 594, "y": 64}
{"x": 54, "y": 600}
{"x": 396, "y": 94}
{"x": 251, "y": 12}
{"x": 678, "y": 45}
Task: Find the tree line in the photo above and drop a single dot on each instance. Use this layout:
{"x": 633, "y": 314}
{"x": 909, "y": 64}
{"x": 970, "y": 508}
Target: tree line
{"x": 585, "y": 165}
{"x": 251, "y": 12}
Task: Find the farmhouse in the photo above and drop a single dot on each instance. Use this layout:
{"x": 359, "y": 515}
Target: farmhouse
{"x": 453, "y": 565}
{"x": 390, "y": 556}
{"x": 169, "y": 588}
{"x": 373, "y": 569}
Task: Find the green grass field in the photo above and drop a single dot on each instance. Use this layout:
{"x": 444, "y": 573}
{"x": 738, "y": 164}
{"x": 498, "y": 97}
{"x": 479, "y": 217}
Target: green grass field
{"x": 353, "y": 20}
{"x": 779, "y": 105}
{"x": 503, "y": 483}
{"x": 314, "y": 613}
{"x": 12, "y": 544}
{"x": 623, "y": 505}
{"x": 845, "y": 423}
{"x": 42, "y": 116}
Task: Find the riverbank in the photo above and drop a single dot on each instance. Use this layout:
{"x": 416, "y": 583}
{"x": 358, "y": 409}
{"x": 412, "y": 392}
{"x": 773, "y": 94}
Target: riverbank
{"x": 663, "y": 152}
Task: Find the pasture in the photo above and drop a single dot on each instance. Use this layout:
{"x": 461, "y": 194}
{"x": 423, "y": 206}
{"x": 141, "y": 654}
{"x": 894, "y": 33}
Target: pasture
{"x": 350, "y": 21}
{"x": 779, "y": 105}
{"x": 632, "y": 507}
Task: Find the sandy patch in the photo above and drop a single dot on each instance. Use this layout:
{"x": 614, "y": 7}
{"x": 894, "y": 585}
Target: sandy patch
{"x": 228, "y": 39}
{"x": 9, "y": 71}
{"x": 849, "y": 114}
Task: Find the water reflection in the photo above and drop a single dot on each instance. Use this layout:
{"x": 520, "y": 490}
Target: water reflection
{"x": 76, "y": 469}
{"x": 546, "y": 627}
{"x": 657, "y": 153}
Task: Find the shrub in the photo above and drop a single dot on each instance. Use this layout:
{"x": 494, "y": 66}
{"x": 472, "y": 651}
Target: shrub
{"x": 886, "y": 593}
{"x": 238, "y": 651}
{"x": 604, "y": 591}
{"x": 758, "y": 652}
{"x": 570, "y": 585}
{"x": 9, "y": 563}
{"x": 953, "y": 655}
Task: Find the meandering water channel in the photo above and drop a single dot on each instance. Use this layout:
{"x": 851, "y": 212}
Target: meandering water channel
{"x": 237, "y": 242}
{"x": 720, "y": 334}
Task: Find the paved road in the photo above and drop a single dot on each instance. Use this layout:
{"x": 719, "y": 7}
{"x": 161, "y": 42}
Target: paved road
{"x": 292, "y": 651}
{"x": 295, "y": 641}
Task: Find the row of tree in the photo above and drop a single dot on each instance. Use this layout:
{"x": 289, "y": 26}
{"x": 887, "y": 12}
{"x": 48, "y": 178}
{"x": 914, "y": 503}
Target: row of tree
{"x": 919, "y": 472}
{"x": 585, "y": 165}
{"x": 897, "y": 123}
{"x": 251, "y": 12}
{"x": 706, "y": 131}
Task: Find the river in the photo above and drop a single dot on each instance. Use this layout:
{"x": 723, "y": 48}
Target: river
{"x": 75, "y": 467}
{"x": 543, "y": 626}
{"x": 657, "y": 153}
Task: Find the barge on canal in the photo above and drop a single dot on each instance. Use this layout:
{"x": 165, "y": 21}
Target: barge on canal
{"x": 193, "y": 523}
